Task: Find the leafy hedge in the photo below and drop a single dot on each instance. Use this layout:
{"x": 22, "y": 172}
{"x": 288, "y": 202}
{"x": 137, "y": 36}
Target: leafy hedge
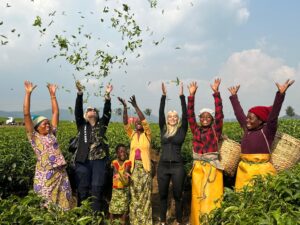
{"x": 274, "y": 200}
{"x": 17, "y": 161}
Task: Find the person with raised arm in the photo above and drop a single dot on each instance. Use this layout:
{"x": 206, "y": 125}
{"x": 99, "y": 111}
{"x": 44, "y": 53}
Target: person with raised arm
{"x": 260, "y": 126}
{"x": 140, "y": 208}
{"x": 170, "y": 167}
{"x": 50, "y": 180}
{"x": 92, "y": 154}
{"x": 207, "y": 173}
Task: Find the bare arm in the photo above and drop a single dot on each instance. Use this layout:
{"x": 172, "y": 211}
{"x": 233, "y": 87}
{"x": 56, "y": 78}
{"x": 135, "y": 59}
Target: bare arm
{"x": 140, "y": 114}
{"x": 55, "y": 110}
{"x": 29, "y": 87}
{"x": 125, "y": 114}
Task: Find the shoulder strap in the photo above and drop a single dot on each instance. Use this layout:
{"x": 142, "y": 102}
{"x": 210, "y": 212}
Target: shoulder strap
{"x": 265, "y": 140}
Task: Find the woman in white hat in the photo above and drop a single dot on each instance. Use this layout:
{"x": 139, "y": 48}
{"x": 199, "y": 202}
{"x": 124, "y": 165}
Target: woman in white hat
{"x": 207, "y": 175}
{"x": 50, "y": 180}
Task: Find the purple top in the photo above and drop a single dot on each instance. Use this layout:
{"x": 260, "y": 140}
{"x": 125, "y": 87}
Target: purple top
{"x": 253, "y": 142}
{"x": 138, "y": 154}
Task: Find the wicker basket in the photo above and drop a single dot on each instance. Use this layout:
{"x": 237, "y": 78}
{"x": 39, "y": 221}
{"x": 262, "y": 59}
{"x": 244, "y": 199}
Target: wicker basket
{"x": 229, "y": 155}
{"x": 285, "y": 151}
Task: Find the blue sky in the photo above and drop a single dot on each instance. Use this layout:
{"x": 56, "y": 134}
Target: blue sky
{"x": 251, "y": 43}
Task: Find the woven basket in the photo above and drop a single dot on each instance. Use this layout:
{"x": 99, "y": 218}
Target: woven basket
{"x": 285, "y": 151}
{"x": 229, "y": 155}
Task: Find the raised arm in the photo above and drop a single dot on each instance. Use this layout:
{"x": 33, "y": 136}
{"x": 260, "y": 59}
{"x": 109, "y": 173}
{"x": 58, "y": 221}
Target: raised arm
{"x": 107, "y": 105}
{"x": 140, "y": 114}
{"x": 184, "y": 120}
{"x": 219, "y": 116}
{"x": 238, "y": 111}
{"x": 162, "y": 118}
{"x": 29, "y": 87}
{"x": 55, "y": 110}
{"x": 279, "y": 98}
{"x": 127, "y": 126}
{"x": 191, "y": 108}
{"x": 79, "y": 105}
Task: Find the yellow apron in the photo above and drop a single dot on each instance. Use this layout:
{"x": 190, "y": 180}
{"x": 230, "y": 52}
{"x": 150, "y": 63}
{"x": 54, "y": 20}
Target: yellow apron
{"x": 251, "y": 165}
{"x": 207, "y": 189}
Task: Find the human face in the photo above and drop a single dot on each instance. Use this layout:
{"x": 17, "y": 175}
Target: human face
{"x": 205, "y": 119}
{"x": 138, "y": 125}
{"x": 252, "y": 121}
{"x": 44, "y": 127}
{"x": 122, "y": 153}
{"x": 91, "y": 113}
{"x": 172, "y": 118}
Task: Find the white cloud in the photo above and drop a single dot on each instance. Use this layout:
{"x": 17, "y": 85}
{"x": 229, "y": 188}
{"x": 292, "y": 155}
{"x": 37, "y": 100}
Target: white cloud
{"x": 242, "y": 15}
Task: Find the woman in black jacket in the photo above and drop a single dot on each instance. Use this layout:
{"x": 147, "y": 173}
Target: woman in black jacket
{"x": 92, "y": 153}
{"x": 170, "y": 166}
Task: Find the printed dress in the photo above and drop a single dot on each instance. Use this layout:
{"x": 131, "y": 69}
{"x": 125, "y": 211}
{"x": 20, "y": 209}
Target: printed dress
{"x": 50, "y": 180}
{"x": 120, "y": 194}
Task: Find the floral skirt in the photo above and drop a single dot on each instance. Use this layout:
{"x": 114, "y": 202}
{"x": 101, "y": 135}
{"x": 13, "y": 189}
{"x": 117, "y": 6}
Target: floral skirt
{"x": 140, "y": 208}
{"x": 54, "y": 186}
{"x": 119, "y": 201}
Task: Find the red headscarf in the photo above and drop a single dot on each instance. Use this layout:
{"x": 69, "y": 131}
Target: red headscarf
{"x": 262, "y": 112}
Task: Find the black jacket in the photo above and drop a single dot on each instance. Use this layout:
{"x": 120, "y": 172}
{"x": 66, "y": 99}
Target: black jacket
{"x": 171, "y": 146}
{"x": 84, "y": 128}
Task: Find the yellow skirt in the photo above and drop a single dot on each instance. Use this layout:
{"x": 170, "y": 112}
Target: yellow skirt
{"x": 251, "y": 165}
{"x": 207, "y": 189}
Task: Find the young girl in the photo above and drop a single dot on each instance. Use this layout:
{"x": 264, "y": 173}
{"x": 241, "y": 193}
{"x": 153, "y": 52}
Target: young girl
{"x": 120, "y": 194}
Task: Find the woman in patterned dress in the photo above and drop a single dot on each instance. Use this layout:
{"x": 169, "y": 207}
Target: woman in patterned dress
{"x": 140, "y": 208}
{"x": 50, "y": 180}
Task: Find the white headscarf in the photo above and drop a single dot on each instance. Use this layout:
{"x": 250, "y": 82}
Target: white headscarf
{"x": 210, "y": 111}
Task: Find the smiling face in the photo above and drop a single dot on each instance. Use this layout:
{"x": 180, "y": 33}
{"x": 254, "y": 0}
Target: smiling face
{"x": 172, "y": 118}
{"x": 206, "y": 119}
{"x": 122, "y": 153}
{"x": 252, "y": 121}
{"x": 44, "y": 127}
{"x": 138, "y": 126}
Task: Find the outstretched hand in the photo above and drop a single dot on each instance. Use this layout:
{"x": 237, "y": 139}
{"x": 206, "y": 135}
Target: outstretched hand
{"x": 29, "y": 86}
{"x": 234, "y": 89}
{"x": 123, "y": 102}
{"x": 215, "y": 86}
{"x": 283, "y": 87}
{"x": 193, "y": 88}
{"x": 163, "y": 88}
{"x": 79, "y": 86}
{"x": 52, "y": 88}
{"x": 132, "y": 101}
{"x": 109, "y": 88}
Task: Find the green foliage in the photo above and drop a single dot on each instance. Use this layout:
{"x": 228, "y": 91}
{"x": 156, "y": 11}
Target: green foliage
{"x": 290, "y": 111}
{"x": 28, "y": 210}
{"x": 274, "y": 200}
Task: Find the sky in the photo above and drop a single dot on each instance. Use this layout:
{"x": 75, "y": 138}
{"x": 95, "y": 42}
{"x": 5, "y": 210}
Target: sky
{"x": 248, "y": 42}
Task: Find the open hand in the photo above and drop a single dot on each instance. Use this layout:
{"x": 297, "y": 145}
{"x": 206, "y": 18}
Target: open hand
{"x": 283, "y": 87}
{"x": 122, "y": 101}
{"x": 132, "y": 101}
{"x": 52, "y": 88}
{"x": 234, "y": 89}
{"x": 193, "y": 88}
{"x": 215, "y": 86}
{"x": 29, "y": 87}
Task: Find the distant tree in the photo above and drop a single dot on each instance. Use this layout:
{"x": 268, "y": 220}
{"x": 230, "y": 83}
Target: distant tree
{"x": 290, "y": 111}
{"x": 148, "y": 112}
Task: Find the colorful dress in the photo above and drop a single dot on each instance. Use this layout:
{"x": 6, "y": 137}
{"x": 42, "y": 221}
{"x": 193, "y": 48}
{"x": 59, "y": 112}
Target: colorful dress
{"x": 207, "y": 174}
{"x": 50, "y": 180}
{"x": 120, "y": 194}
{"x": 140, "y": 208}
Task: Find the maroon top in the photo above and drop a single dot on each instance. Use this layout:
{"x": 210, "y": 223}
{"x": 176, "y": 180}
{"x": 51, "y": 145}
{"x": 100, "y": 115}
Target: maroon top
{"x": 253, "y": 142}
{"x": 205, "y": 139}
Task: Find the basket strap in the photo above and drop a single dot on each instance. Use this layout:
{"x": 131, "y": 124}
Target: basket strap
{"x": 266, "y": 140}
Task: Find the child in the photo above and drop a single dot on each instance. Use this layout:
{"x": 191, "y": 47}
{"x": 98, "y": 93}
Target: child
{"x": 120, "y": 194}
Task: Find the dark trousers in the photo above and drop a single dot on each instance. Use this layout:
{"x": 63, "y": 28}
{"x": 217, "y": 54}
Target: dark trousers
{"x": 90, "y": 180}
{"x": 166, "y": 172}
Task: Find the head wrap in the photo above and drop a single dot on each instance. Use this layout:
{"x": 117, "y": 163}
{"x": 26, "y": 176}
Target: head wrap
{"x": 210, "y": 111}
{"x": 36, "y": 120}
{"x": 262, "y": 112}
